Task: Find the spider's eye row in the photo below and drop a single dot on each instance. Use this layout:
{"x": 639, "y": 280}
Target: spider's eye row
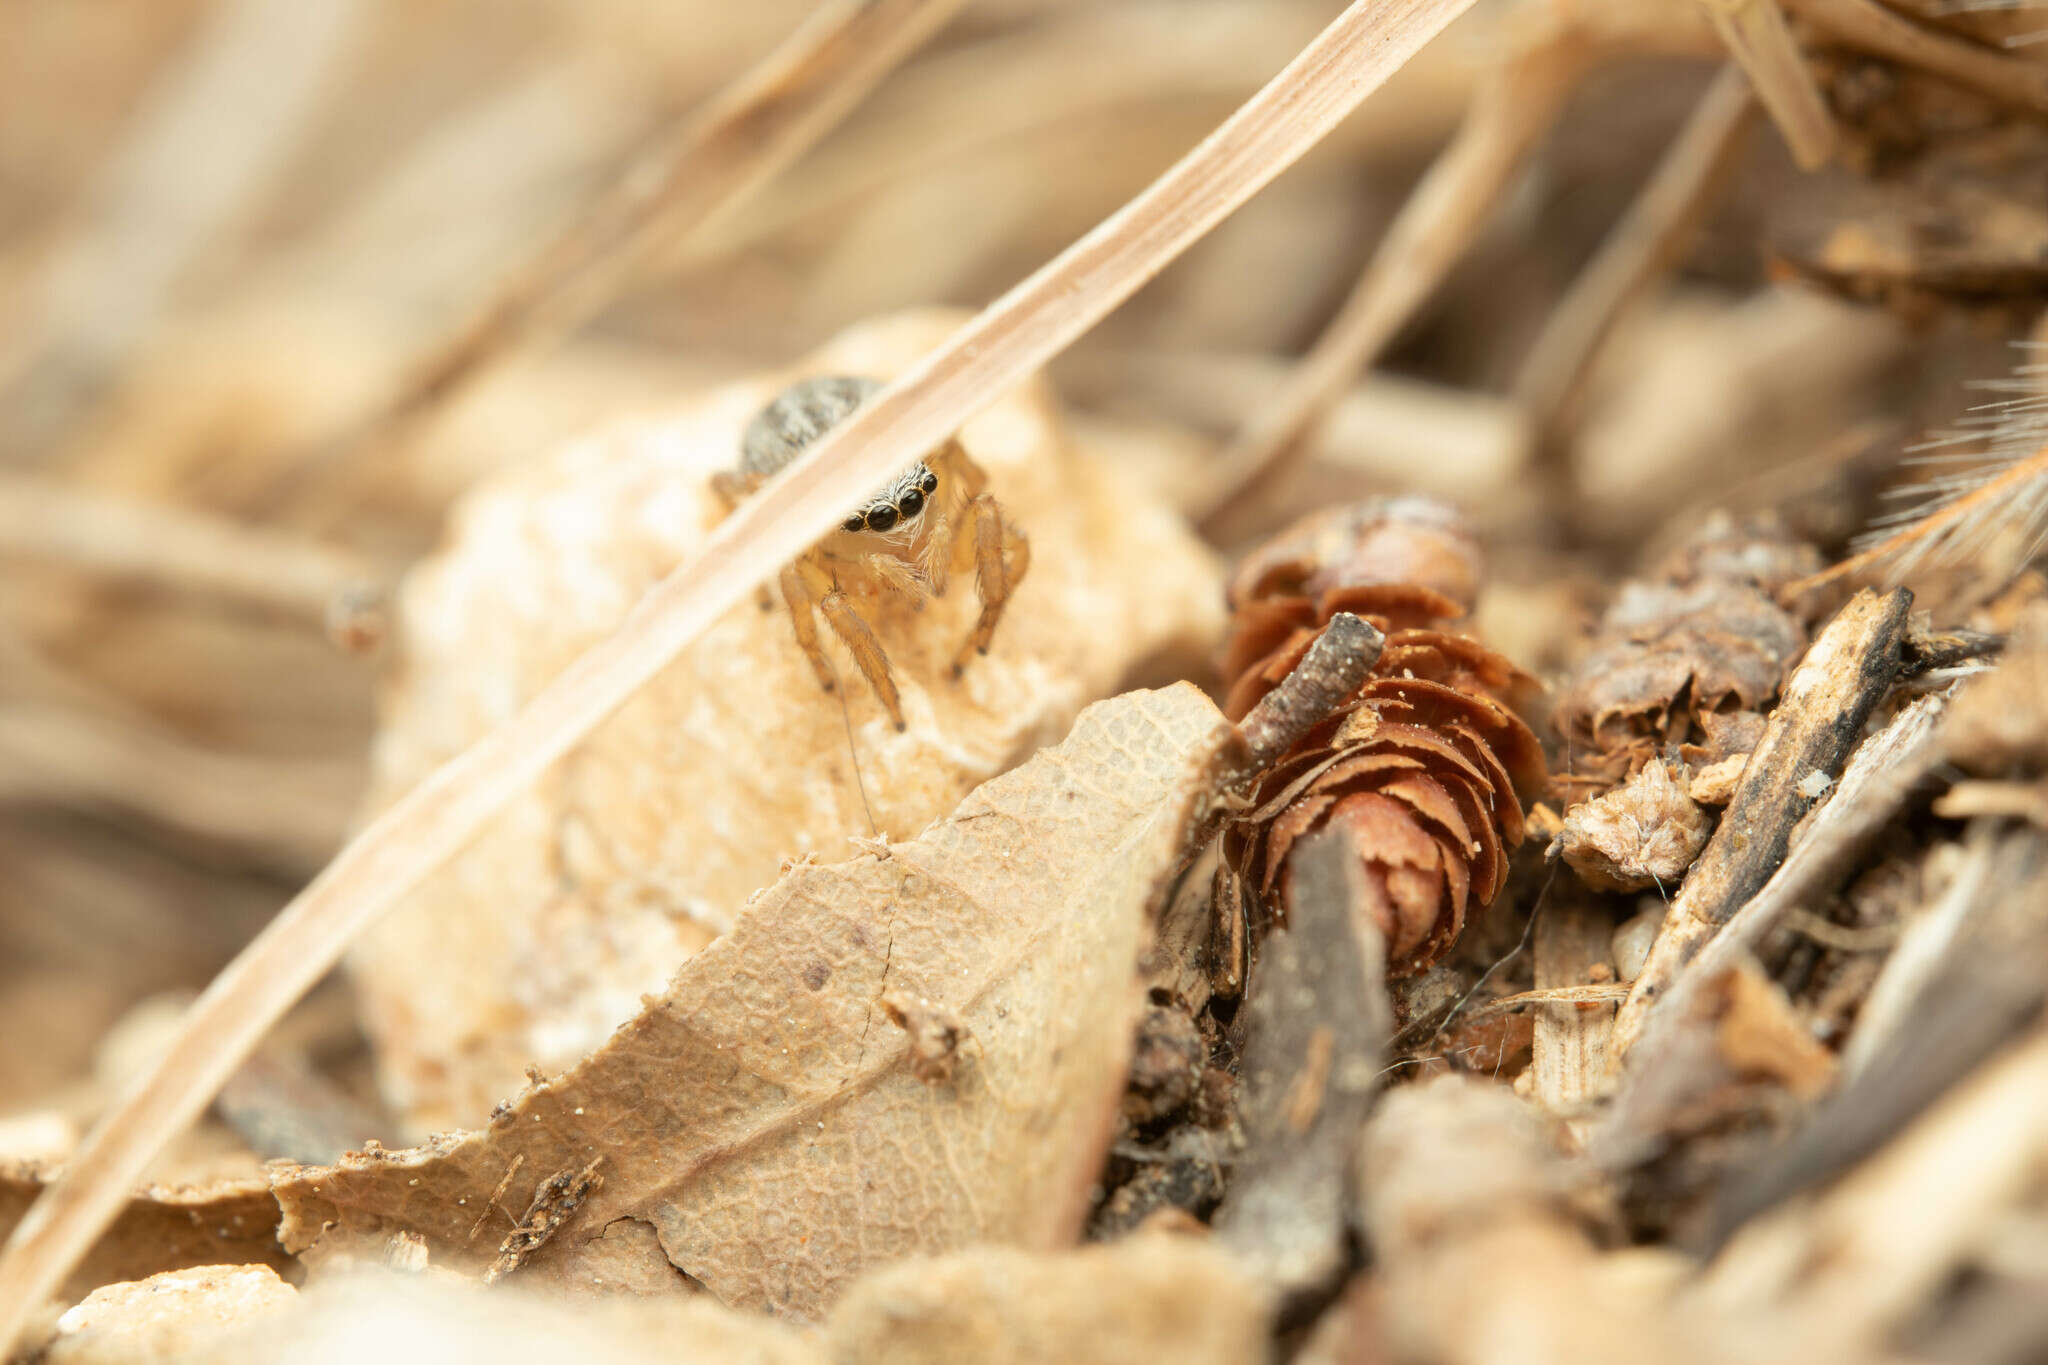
{"x": 881, "y": 518}
{"x": 856, "y": 522}
{"x": 929, "y": 483}
{"x": 912, "y": 504}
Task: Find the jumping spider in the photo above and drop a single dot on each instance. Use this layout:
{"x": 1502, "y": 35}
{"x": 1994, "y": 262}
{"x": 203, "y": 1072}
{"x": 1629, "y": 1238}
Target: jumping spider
{"x": 933, "y": 519}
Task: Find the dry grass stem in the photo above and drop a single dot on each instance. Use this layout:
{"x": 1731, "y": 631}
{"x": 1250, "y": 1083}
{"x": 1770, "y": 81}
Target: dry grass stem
{"x": 1509, "y": 114}
{"x": 1017, "y": 334}
{"x": 207, "y": 142}
{"x": 747, "y": 134}
{"x": 174, "y": 550}
{"x": 1762, "y": 44}
{"x": 289, "y": 813}
{"x": 1946, "y": 533}
{"x": 1872, "y": 27}
{"x": 1645, "y": 243}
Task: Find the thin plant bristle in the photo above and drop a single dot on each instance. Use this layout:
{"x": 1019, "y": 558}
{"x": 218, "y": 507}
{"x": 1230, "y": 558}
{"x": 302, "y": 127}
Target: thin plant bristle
{"x": 1995, "y": 489}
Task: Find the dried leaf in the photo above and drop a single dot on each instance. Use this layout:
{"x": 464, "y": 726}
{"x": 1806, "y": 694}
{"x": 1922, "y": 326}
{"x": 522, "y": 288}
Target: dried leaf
{"x": 763, "y": 1116}
{"x": 1679, "y": 654}
{"x": 642, "y": 844}
{"x": 1644, "y": 833}
{"x": 162, "y": 1228}
{"x": 1757, "y": 1034}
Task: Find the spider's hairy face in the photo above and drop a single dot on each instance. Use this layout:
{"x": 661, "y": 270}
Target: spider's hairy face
{"x": 807, "y": 410}
{"x": 894, "y": 511}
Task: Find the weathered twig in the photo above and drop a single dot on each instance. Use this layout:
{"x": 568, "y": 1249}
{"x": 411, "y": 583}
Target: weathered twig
{"x": 1005, "y": 343}
{"x": 1930, "y": 943}
{"x": 1509, "y": 114}
{"x": 1570, "y": 1045}
{"x": 1646, "y": 242}
{"x": 1843, "y": 1272}
{"x": 1761, "y": 41}
{"x": 1886, "y": 769}
{"x": 1873, "y": 28}
{"x": 1986, "y": 988}
{"x": 174, "y": 550}
{"x": 1317, "y": 1033}
{"x": 1330, "y": 672}
{"x": 1845, "y": 674}
{"x": 206, "y": 143}
{"x": 748, "y": 133}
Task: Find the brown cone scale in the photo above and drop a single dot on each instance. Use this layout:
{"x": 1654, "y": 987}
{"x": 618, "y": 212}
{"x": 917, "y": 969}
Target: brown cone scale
{"x": 1424, "y": 770}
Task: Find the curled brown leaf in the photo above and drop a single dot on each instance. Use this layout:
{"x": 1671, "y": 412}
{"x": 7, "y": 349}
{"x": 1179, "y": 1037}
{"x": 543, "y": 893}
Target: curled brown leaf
{"x": 764, "y": 1117}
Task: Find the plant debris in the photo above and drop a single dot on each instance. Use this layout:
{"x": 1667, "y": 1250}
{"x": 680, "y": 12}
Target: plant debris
{"x": 1423, "y": 770}
{"x": 765, "y": 1096}
{"x": 1503, "y": 813}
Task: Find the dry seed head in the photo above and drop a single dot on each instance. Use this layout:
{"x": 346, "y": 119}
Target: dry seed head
{"x": 1423, "y": 770}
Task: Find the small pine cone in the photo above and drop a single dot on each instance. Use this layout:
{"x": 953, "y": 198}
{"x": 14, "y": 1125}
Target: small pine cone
{"x": 1687, "y": 657}
{"x": 1424, "y": 768}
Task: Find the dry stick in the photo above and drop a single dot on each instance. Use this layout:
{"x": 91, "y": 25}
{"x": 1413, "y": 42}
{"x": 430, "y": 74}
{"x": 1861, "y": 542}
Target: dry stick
{"x": 1393, "y": 430}
{"x": 1868, "y": 1254}
{"x": 289, "y": 813}
{"x": 207, "y": 141}
{"x": 748, "y": 133}
{"x": 1985, "y": 988}
{"x": 1510, "y": 113}
{"x": 175, "y": 550}
{"x": 998, "y": 349}
{"x": 1930, "y": 940}
{"x": 1871, "y": 27}
{"x": 1847, "y": 672}
{"x": 1645, "y": 243}
{"x": 1761, "y": 41}
{"x": 1880, "y": 778}
{"x": 1570, "y": 1045}
{"x": 1328, "y": 674}
{"x": 1316, "y": 1033}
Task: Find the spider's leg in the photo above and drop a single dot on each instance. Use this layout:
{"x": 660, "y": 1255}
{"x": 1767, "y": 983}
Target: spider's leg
{"x": 1001, "y": 555}
{"x": 801, "y": 593}
{"x": 866, "y": 650}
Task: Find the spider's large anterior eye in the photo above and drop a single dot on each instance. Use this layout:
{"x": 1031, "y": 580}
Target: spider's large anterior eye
{"x": 912, "y": 504}
{"x": 856, "y": 522}
{"x": 881, "y": 518}
{"x": 929, "y": 483}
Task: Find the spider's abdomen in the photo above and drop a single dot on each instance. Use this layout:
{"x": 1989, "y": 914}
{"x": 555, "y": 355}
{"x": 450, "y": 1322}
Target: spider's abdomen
{"x": 799, "y": 415}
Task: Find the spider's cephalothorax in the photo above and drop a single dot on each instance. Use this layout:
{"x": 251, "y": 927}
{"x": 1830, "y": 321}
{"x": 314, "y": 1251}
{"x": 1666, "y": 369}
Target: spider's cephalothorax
{"x": 933, "y": 518}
